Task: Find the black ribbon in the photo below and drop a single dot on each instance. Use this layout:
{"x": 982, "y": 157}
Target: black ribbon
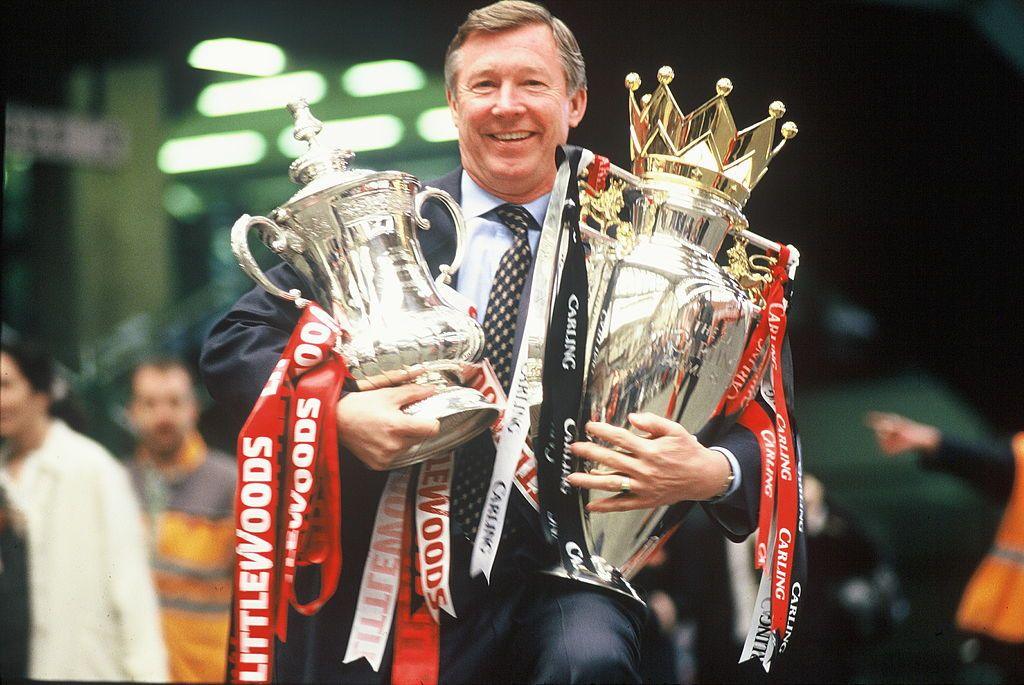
{"x": 563, "y": 377}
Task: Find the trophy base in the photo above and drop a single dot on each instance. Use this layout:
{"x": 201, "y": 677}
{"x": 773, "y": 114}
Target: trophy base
{"x": 608, "y": 578}
{"x": 462, "y": 412}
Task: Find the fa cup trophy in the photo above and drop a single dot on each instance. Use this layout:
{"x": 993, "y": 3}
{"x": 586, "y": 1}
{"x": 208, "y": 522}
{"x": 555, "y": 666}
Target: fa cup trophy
{"x": 670, "y": 331}
{"x": 351, "y": 235}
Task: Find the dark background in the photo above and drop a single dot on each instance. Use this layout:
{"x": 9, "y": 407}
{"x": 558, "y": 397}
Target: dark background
{"x": 904, "y": 192}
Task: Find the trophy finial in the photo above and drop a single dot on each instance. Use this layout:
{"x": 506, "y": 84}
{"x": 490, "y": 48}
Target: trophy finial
{"x": 307, "y": 126}
{"x": 705, "y": 147}
{"x": 321, "y": 158}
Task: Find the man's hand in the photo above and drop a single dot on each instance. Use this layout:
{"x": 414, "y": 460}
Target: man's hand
{"x": 372, "y": 425}
{"x": 895, "y": 433}
{"x": 665, "y": 467}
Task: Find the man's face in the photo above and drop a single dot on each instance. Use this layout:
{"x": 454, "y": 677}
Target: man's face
{"x": 163, "y": 410}
{"x": 512, "y": 107}
{"x": 20, "y": 404}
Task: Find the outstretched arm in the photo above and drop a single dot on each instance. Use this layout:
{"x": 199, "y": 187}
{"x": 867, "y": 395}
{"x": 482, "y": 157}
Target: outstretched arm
{"x": 987, "y": 468}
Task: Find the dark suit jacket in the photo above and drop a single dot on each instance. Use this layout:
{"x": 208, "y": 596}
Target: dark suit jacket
{"x": 236, "y": 360}
{"x": 244, "y": 346}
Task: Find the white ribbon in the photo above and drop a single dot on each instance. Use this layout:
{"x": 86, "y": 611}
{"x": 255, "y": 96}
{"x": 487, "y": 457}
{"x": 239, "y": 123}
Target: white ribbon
{"x": 526, "y": 390}
{"x": 378, "y": 592}
{"x": 433, "y": 533}
{"x": 760, "y": 643}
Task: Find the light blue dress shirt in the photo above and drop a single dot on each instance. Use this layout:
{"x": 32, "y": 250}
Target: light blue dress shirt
{"x": 488, "y": 240}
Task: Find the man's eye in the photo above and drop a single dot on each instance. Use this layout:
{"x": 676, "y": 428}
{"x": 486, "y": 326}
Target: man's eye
{"x": 484, "y": 85}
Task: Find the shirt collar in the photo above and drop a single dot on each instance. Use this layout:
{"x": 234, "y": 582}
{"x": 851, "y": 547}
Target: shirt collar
{"x": 190, "y": 456}
{"x": 476, "y": 201}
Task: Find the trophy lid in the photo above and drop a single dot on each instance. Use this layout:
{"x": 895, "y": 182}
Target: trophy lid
{"x": 321, "y": 166}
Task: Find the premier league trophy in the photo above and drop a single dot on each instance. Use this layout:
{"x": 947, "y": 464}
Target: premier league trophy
{"x": 668, "y": 327}
{"x": 351, "y": 235}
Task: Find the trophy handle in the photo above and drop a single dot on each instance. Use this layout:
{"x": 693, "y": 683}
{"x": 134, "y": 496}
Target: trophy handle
{"x": 240, "y": 247}
{"x": 449, "y": 202}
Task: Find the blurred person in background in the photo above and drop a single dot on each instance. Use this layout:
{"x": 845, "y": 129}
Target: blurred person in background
{"x": 91, "y": 599}
{"x": 992, "y": 606}
{"x": 851, "y": 601}
{"x": 14, "y": 609}
{"x": 187, "y": 491}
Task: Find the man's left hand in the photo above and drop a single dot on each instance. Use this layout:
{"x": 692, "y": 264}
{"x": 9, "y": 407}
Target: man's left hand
{"x": 665, "y": 466}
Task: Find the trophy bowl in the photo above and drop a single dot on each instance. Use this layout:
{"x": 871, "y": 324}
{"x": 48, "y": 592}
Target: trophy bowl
{"x": 351, "y": 234}
{"x": 668, "y": 327}
{"x": 675, "y": 327}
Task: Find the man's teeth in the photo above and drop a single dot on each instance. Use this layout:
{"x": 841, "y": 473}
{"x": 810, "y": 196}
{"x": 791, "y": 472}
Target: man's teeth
{"x": 511, "y": 136}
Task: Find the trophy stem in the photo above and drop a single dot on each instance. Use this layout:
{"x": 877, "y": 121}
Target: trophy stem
{"x": 463, "y": 413}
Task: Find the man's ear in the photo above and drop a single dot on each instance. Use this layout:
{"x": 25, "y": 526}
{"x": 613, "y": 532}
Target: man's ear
{"x": 577, "y": 107}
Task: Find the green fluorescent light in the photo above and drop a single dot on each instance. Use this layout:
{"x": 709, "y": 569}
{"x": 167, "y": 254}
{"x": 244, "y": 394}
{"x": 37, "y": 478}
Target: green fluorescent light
{"x": 258, "y": 94}
{"x": 237, "y": 56}
{"x": 182, "y": 202}
{"x": 361, "y": 133}
{"x": 378, "y": 78}
{"x": 435, "y": 125}
{"x": 214, "y": 151}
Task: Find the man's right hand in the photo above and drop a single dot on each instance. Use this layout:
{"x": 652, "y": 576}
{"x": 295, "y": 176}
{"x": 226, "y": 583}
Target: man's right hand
{"x": 372, "y": 425}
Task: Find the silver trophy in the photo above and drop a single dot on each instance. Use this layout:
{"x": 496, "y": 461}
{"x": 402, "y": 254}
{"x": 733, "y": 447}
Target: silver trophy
{"x": 351, "y": 235}
{"x": 668, "y": 325}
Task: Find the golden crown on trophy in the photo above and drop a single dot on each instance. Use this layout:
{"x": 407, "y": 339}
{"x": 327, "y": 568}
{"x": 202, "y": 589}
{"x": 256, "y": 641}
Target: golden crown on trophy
{"x": 704, "y": 148}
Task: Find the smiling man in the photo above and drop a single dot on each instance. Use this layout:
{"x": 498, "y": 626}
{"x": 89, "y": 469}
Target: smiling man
{"x": 516, "y": 86}
{"x": 514, "y": 98}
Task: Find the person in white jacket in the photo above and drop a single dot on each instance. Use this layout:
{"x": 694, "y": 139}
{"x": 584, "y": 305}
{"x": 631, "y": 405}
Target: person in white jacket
{"x": 93, "y": 609}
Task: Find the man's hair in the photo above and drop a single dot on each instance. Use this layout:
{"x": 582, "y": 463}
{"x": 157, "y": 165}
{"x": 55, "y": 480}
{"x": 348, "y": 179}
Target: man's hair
{"x": 511, "y": 14}
{"x": 35, "y": 364}
{"x": 163, "y": 364}
{"x": 40, "y": 370}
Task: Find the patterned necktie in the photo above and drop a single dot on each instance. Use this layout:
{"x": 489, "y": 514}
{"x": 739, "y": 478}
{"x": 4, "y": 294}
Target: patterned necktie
{"x": 472, "y": 473}
{"x": 503, "y": 303}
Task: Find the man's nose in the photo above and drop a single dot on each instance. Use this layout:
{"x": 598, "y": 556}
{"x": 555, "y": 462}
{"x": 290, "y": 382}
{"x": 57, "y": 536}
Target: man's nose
{"x": 508, "y": 102}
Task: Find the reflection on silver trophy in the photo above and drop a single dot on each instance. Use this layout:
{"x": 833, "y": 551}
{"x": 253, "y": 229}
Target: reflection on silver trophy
{"x": 351, "y": 235}
{"x": 667, "y": 324}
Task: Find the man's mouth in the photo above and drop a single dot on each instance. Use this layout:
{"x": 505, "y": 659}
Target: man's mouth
{"x": 512, "y": 136}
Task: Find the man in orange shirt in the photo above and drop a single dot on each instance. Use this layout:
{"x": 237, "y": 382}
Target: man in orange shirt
{"x": 992, "y": 606}
{"x": 187, "y": 491}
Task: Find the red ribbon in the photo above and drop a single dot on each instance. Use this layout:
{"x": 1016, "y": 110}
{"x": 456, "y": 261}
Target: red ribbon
{"x": 597, "y": 179}
{"x": 787, "y": 473}
{"x": 417, "y": 640}
{"x": 756, "y": 420}
{"x": 779, "y": 496}
{"x": 288, "y": 500}
{"x": 751, "y": 366}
